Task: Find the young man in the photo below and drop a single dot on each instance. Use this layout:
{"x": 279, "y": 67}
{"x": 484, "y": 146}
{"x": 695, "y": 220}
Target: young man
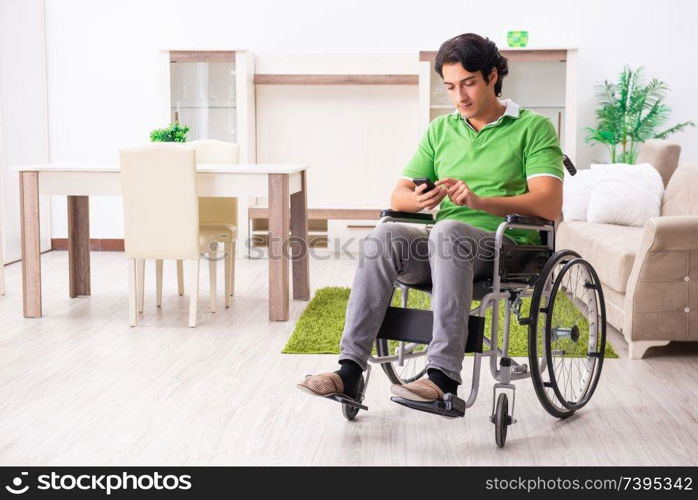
{"x": 488, "y": 159}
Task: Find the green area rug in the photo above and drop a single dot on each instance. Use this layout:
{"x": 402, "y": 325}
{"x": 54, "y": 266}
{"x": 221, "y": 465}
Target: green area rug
{"x": 319, "y": 329}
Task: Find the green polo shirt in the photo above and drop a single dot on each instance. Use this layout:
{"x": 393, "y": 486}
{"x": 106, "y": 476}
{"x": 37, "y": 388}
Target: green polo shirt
{"x": 496, "y": 161}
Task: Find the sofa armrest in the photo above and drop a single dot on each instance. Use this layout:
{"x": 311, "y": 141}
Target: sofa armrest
{"x": 658, "y": 305}
{"x": 673, "y": 232}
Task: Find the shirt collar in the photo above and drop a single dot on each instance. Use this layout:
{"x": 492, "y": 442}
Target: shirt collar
{"x": 512, "y": 110}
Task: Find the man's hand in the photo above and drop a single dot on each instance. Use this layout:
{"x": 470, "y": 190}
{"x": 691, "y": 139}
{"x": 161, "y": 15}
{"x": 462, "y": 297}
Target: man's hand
{"x": 431, "y": 199}
{"x": 459, "y": 193}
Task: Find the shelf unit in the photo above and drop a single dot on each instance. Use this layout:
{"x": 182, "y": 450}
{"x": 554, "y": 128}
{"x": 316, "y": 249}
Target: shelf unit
{"x": 542, "y": 80}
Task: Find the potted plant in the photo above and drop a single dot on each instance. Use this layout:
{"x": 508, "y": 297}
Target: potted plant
{"x": 175, "y": 132}
{"x": 630, "y": 113}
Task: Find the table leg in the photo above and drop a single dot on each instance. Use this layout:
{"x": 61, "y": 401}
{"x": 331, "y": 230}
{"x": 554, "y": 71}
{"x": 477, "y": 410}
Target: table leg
{"x": 31, "y": 250}
{"x": 79, "y": 245}
{"x": 299, "y": 238}
{"x": 278, "y": 246}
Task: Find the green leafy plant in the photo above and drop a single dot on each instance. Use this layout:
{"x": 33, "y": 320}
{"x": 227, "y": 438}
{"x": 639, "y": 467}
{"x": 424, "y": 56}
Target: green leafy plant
{"x": 630, "y": 113}
{"x": 175, "y": 132}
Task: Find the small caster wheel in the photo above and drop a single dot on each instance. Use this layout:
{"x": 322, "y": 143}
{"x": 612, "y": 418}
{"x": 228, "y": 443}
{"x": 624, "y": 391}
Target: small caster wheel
{"x": 501, "y": 420}
{"x": 350, "y": 412}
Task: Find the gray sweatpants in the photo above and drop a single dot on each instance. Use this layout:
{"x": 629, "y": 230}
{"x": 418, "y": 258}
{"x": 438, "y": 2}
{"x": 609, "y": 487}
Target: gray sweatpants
{"x": 450, "y": 257}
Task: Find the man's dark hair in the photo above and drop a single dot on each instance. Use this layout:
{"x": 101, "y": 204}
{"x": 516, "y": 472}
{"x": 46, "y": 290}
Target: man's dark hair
{"x": 475, "y": 53}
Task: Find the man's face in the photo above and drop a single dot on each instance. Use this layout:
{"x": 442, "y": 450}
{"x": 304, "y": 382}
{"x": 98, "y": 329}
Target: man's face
{"x": 468, "y": 91}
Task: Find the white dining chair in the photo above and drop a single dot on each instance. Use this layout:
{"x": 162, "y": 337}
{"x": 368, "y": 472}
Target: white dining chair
{"x": 161, "y": 216}
{"x": 217, "y": 221}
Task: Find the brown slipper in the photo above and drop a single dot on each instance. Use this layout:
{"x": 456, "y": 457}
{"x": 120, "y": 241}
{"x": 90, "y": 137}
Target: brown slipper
{"x": 330, "y": 386}
{"x": 323, "y": 384}
{"x": 423, "y": 390}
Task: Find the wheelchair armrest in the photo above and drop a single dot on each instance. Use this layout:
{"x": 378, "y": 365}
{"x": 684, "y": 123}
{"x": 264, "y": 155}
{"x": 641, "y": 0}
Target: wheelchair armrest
{"x": 407, "y": 216}
{"x": 528, "y": 219}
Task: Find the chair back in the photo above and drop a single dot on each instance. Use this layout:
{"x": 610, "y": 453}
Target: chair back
{"x": 161, "y": 210}
{"x": 213, "y": 209}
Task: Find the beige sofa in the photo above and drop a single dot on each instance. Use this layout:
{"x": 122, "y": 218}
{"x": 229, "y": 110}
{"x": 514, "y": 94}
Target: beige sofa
{"x": 649, "y": 274}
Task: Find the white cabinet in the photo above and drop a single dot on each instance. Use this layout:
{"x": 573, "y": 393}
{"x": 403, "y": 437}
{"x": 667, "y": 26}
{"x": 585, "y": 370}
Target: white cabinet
{"x": 542, "y": 80}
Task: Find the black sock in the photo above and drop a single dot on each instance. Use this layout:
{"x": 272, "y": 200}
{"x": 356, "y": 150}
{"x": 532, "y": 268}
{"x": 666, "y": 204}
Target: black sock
{"x": 350, "y": 373}
{"x": 441, "y": 379}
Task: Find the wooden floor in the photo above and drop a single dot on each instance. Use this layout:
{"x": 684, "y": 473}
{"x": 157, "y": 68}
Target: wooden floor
{"x": 79, "y": 387}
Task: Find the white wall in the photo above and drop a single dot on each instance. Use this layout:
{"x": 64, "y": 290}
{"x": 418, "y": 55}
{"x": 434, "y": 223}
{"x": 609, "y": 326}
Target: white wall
{"x": 23, "y": 112}
{"x": 103, "y": 76}
{"x": 358, "y": 137}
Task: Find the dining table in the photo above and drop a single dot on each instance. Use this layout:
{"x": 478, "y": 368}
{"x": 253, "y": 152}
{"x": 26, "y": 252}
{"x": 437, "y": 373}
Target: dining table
{"x": 285, "y": 186}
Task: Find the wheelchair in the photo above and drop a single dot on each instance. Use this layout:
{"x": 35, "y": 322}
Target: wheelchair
{"x": 566, "y": 324}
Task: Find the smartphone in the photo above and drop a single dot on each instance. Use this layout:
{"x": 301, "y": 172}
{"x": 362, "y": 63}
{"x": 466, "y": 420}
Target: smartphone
{"x": 424, "y": 180}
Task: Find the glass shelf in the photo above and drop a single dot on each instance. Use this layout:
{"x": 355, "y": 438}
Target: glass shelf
{"x": 202, "y": 96}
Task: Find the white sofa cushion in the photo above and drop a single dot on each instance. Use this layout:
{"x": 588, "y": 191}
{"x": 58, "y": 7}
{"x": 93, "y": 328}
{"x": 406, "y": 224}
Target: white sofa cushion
{"x": 623, "y": 194}
{"x": 576, "y": 193}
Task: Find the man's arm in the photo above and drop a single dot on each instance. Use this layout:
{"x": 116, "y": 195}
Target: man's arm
{"x": 544, "y": 198}
{"x": 407, "y": 197}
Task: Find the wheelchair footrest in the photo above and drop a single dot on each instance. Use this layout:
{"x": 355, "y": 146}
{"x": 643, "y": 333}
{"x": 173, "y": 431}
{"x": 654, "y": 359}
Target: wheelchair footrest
{"x": 451, "y": 406}
{"x": 346, "y": 400}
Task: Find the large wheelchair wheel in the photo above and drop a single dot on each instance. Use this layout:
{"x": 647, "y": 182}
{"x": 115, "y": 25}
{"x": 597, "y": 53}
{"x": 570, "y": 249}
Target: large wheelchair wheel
{"x": 537, "y": 361}
{"x": 413, "y": 368}
{"x": 567, "y": 333}
{"x": 576, "y": 342}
